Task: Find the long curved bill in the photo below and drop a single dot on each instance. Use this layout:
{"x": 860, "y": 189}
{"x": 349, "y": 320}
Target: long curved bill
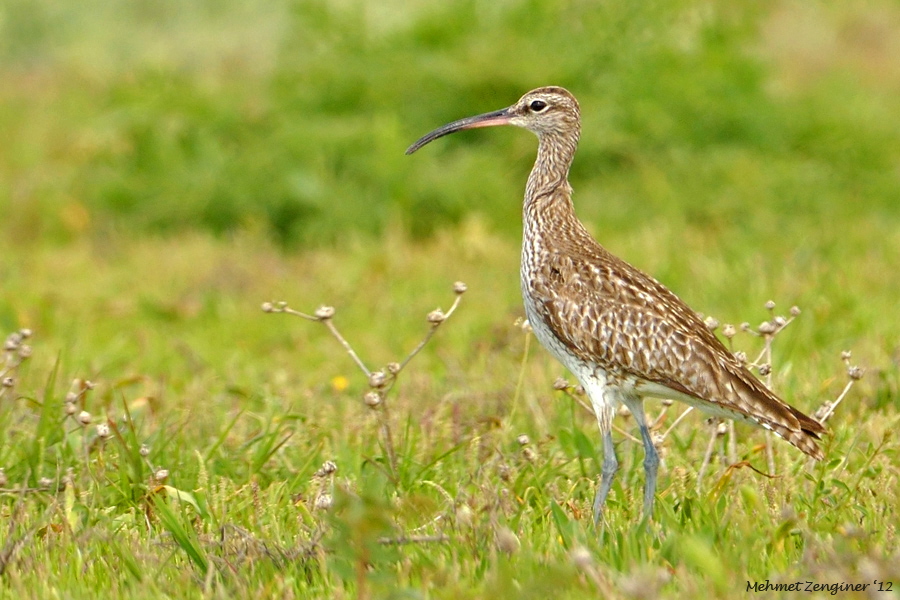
{"x": 498, "y": 117}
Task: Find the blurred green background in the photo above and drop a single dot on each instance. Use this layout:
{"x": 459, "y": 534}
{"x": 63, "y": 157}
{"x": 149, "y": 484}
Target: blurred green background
{"x": 757, "y": 119}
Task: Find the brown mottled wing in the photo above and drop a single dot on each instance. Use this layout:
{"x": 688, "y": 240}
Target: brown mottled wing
{"x": 609, "y": 313}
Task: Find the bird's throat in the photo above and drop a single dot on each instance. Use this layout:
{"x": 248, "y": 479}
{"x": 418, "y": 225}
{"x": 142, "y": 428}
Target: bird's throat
{"x": 551, "y": 168}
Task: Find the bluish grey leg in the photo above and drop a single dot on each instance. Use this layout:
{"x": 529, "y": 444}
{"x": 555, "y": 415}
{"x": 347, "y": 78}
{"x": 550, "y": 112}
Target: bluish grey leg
{"x": 651, "y": 457}
{"x": 607, "y": 472}
{"x": 651, "y": 467}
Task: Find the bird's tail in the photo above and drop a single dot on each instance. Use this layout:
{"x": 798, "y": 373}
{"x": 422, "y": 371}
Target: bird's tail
{"x": 803, "y": 438}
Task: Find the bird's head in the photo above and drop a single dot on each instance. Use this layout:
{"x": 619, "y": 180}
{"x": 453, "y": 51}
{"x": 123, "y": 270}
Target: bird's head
{"x": 544, "y": 111}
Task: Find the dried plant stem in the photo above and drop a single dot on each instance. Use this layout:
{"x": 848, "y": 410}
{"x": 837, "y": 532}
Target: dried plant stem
{"x": 290, "y": 311}
{"x": 628, "y": 435}
{"x": 430, "y": 333}
{"x": 380, "y": 382}
{"x": 329, "y": 324}
{"x": 732, "y": 443}
{"x": 708, "y": 455}
{"x": 581, "y": 402}
{"x": 337, "y": 335}
{"x": 766, "y": 352}
{"x": 385, "y": 424}
{"x": 767, "y": 357}
{"x": 854, "y": 373}
{"x": 677, "y": 421}
{"x": 8, "y": 367}
{"x": 832, "y": 406}
{"x": 521, "y": 377}
{"x": 16, "y": 351}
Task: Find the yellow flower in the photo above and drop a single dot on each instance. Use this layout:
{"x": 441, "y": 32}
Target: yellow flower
{"x": 339, "y": 383}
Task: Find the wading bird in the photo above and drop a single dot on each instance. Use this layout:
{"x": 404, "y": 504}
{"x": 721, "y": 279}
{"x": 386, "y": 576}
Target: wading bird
{"x": 622, "y": 334}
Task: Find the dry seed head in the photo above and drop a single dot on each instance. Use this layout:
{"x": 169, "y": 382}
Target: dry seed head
{"x": 145, "y": 450}
{"x": 3, "y": 479}
{"x": 161, "y": 475}
{"x": 845, "y": 355}
{"x": 560, "y": 384}
{"x": 667, "y": 402}
{"x": 766, "y": 327}
{"x": 8, "y": 382}
{"x": 323, "y": 502}
{"x": 25, "y": 333}
{"x": 323, "y": 313}
{"x": 855, "y": 373}
{"x": 71, "y": 398}
{"x": 581, "y": 558}
{"x": 88, "y": 384}
{"x": 460, "y": 288}
{"x": 658, "y": 438}
{"x": 45, "y": 482}
{"x": 372, "y": 398}
{"x": 24, "y": 351}
{"x": 84, "y": 417}
{"x": 394, "y": 367}
{"x": 507, "y": 541}
{"x": 765, "y": 369}
{"x": 770, "y": 305}
{"x": 711, "y": 323}
{"x": 103, "y": 431}
{"x": 721, "y": 429}
{"x": 71, "y": 408}
{"x": 464, "y": 516}
{"x": 436, "y": 317}
{"x": 529, "y": 454}
{"x": 12, "y": 342}
{"x": 267, "y": 307}
{"x": 523, "y": 440}
{"x": 328, "y": 467}
{"x": 745, "y": 326}
{"x": 780, "y": 321}
{"x": 526, "y": 326}
{"x": 729, "y": 330}
{"x": 795, "y": 311}
{"x": 377, "y": 379}
{"x": 741, "y": 356}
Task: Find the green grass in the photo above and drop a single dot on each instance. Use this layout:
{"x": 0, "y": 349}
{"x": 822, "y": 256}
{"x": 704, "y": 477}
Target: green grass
{"x": 169, "y": 167}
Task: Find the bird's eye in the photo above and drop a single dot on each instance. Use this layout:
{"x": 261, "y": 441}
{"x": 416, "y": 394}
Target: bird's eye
{"x": 537, "y": 105}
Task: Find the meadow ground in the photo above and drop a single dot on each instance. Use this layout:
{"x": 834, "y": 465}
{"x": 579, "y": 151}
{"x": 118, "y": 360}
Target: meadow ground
{"x": 167, "y": 168}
